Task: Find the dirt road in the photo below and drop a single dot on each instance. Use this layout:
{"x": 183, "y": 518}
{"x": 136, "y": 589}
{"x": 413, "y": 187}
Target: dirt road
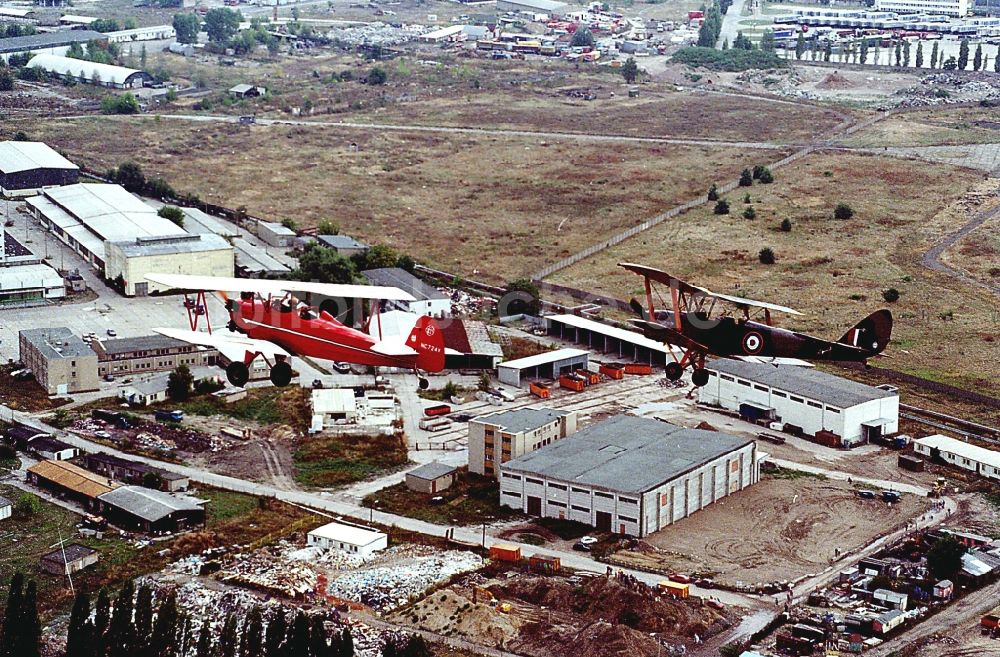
{"x": 931, "y": 258}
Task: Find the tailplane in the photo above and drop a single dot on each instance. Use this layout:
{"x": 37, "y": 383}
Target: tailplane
{"x": 870, "y": 334}
{"x": 428, "y": 341}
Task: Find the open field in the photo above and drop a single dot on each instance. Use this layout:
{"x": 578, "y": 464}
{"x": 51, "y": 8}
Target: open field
{"x": 931, "y": 127}
{"x": 835, "y": 271}
{"x": 978, "y": 253}
{"x": 322, "y": 461}
{"x": 778, "y": 529}
{"x": 504, "y": 206}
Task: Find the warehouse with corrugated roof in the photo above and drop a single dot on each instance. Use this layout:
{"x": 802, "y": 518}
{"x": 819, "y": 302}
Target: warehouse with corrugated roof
{"x": 107, "y": 75}
{"x": 27, "y": 166}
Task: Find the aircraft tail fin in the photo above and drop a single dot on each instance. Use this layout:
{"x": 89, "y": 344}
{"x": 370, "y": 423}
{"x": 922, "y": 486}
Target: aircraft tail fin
{"x": 428, "y": 341}
{"x": 870, "y": 334}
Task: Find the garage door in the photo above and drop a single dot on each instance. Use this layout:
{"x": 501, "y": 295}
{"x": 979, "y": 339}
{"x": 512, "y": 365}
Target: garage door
{"x": 534, "y": 506}
{"x": 603, "y": 521}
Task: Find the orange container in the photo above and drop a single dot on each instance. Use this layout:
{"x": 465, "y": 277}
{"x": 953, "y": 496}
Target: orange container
{"x": 571, "y": 383}
{"x": 638, "y": 368}
{"x": 505, "y": 552}
{"x": 540, "y": 390}
{"x": 612, "y": 370}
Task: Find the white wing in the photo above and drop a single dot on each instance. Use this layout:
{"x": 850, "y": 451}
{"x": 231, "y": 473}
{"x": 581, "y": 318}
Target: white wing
{"x": 393, "y": 347}
{"x": 219, "y": 284}
{"x": 233, "y": 346}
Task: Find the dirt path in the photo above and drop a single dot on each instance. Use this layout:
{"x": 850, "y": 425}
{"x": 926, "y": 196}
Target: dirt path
{"x": 931, "y": 257}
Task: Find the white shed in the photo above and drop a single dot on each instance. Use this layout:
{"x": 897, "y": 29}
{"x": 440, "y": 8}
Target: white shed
{"x": 6, "y": 508}
{"x": 349, "y": 539}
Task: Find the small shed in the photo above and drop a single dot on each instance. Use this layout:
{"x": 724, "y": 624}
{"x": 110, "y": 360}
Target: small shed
{"x": 345, "y": 245}
{"x": 431, "y": 478}
{"x": 890, "y": 599}
{"x": 145, "y": 393}
{"x": 275, "y": 234}
{"x": 6, "y": 508}
{"x": 70, "y": 559}
{"x": 351, "y": 539}
{"x": 944, "y": 589}
{"x": 886, "y": 622}
{"x": 247, "y": 91}
{"x": 52, "y": 449}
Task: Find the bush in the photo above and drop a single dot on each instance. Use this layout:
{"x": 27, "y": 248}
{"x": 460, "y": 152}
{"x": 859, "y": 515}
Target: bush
{"x": 27, "y": 505}
{"x": 377, "y": 76}
{"x": 173, "y": 214}
{"x": 766, "y": 177}
{"x": 749, "y": 213}
{"x": 721, "y": 207}
{"x": 891, "y": 295}
{"x": 843, "y": 211}
{"x": 746, "y": 178}
{"x": 757, "y": 170}
{"x": 786, "y": 226}
{"x": 713, "y": 193}
{"x": 127, "y": 103}
{"x": 766, "y": 256}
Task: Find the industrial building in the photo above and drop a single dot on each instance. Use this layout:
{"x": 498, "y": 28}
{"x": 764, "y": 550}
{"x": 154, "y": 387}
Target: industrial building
{"x": 548, "y": 365}
{"x": 629, "y": 475}
{"x": 201, "y": 223}
{"x": 70, "y": 481}
{"x": 332, "y": 405}
{"x": 805, "y": 400}
{"x": 27, "y": 166}
{"x": 275, "y": 234}
{"x": 120, "y": 236}
{"x": 607, "y": 339}
{"x": 254, "y": 262}
{"x": 468, "y": 345}
{"x": 150, "y": 33}
{"x": 107, "y": 75}
{"x": 135, "y": 472}
{"x": 69, "y": 559}
{"x": 149, "y": 353}
{"x": 348, "y": 538}
{"x": 150, "y": 511}
{"x": 241, "y": 91}
{"x": 431, "y": 478}
{"x": 515, "y": 432}
{"x": 29, "y": 284}
{"x": 344, "y": 245}
{"x": 55, "y": 43}
{"x": 982, "y": 461}
{"x": 953, "y": 8}
{"x": 61, "y": 362}
{"x": 428, "y": 300}
{"x": 550, "y": 8}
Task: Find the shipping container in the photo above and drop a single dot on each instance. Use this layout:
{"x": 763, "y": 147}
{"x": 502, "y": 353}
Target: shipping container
{"x": 827, "y": 439}
{"x": 911, "y": 463}
{"x": 591, "y": 377}
{"x": 991, "y": 620}
{"x": 543, "y": 564}
{"x": 505, "y": 552}
{"x": 695, "y": 14}
{"x": 435, "y": 411}
{"x": 539, "y": 390}
{"x": 435, "y": 424}
{"x": 674, "y": 589}
{"x": 638, "y": 368}
{"x": 612, "y": 370}
{"x": 571, "y": 383}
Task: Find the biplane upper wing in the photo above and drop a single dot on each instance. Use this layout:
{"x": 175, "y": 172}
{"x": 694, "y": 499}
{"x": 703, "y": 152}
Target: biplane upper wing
{"x": 741, "y": 302}
{"x": 234, "y": 346}
{"x": 219, "y": 284}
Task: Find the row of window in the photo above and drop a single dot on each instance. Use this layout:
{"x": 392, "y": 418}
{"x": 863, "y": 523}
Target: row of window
{"x": 778, "y": 393}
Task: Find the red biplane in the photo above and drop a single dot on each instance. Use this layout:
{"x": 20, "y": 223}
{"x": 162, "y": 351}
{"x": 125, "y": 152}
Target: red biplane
{"x": 686, "y": 322}
{"x": 267, "y": 321}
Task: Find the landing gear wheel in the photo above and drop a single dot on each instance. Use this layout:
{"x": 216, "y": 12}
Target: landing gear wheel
{"x": 234, "y": 327}
{"x": 674, "y": 371}
{"x": 423, "y": 383}
{"x": 237, "y": 373}
{"x": 281, "y": 374}
{"x": 699, "y": 377}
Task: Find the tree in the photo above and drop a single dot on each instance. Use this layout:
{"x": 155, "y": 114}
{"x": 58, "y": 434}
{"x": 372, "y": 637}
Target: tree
{"x": 10, "y": 627}
{"x": 843, "y": 211}
{"x": 746, "y": 178}
{"x": 785, "y": 226}
{"x": 713, "y": 193}
{"x": 920, "y": 54}
{"x": 221, "y": 24}
{"x": 206, "y": 647}
{"x": 827, "y": 51}
{"x": 102, "y": 618}
{"x": 179, "y": 383}
{"x": 721, "y": 207}
{"x": 252, "y": 644}
{"x": 29, "y": 629}
{"x": 742, "y": 42}
{"x": 323, "y": 265}
{"x": 377, "y": 76}
{"x": 899, "y": 53}
{"x": 521, "y": 296}
{"x": 766, "y": 177}
{"x": 944, "y": 559}
{"x": 275, "y": 634}
{"x": 963, "y": 54}
{"x": 977, "y": 59}
{"x": 950, "y": 64}
{"x": 864, "y": 51}
{"x": 6, "y": 79}
{"x": 934, "y": 55}
{"x": 327, "y": 227}
{"x": 164, "y": 642}
{"x": 346, "y": 643}
{"x": 800, "y": 45}
{"x": 187, "y": 25}
{"x": 766, "y": 256}
{"x": 630, "y": 70}
{"x": 172, "y": 213}
{"x": 406, "y": 263}
{"x": 142, "y": 627}
{"x": 127, "y": 103}
{"x": 906, "y": 54}
{"x": 996, "y": 61}
{"x": 749, "y": 212}
{"x": 78, "y": 639}
{"x": 767, "y": 41}
{"x": 27, "y": 505}
{"x": 142, "y": 57}
{"x": 378, "y": 256}
{"x": 229, "y": 640}
{"x": 891, "y": 295}
{"x": 318, "y": 646}
{"x": 711, "y": 27}
{"x": 297, "y": 642}
{"x": 151, "y": 480}
{"x": 582, "y": 38}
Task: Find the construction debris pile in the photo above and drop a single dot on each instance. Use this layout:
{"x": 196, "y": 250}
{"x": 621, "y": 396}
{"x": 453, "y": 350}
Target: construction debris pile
{"x": 268, "y": 571}
{"x": 154, "y": 436}
{"x": 374, "y": 34}
{"x": 946, "y": 88}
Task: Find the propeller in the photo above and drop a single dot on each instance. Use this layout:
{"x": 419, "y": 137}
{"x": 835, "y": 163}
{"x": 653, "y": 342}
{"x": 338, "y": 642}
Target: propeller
{"x": 637, "y": 308}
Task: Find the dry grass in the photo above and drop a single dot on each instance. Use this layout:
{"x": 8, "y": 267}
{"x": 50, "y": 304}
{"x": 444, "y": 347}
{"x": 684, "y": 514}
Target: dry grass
{"x": 502, "y": 206}
{"x": 931, "y": 127}
{"x": 834, "y": 271}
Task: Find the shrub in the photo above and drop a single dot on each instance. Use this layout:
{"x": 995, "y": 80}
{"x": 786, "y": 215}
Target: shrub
{"x": 766, "y": 256}
{"x": 172, "y": 213}
{"x": 749, "y": 212}
{"x": 766, "y": 177}
{"x": 891, "y": 295}
{"x": 843, "y": 211}
{"x": 721, "y": 207}
{"x": 746, "y": 178}
{"x": 757, "y": 170}
{"x": 786, "y": 226}
{"x": 734, "y": 59}
{"x": 377, "y": 76}
{"x": 713, "y": 193}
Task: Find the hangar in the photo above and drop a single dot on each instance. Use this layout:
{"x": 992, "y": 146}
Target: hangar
{"x": 551, "y": 8}
{"x": 548, "y": 365}
{"x": 150, "y": 511}
{"x": 107, "y": 75}
{"x": 806, "y": 400}
{"x": 27, "y": 166}
{"x": 608, "y": 339}
{"x": 629, "y": 475}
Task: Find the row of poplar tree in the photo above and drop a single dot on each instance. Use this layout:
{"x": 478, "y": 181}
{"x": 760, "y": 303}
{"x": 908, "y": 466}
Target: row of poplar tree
{"x": 135, "y": 625}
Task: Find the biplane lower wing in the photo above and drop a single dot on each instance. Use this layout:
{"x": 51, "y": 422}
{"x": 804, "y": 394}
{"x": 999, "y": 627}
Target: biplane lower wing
{"x": 668, "y": 335}
{"x": 233, "y": 346}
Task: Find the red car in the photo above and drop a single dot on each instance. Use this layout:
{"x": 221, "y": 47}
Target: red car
{"x": 677, "y": 577}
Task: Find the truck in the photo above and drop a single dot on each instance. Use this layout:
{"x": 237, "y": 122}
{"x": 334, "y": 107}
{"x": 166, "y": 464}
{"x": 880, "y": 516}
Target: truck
{"x": 111, "y": 417}
{"x": 435, "y": 424}
{"x": 674, "y": 589}
{"x": 169, "y": 416}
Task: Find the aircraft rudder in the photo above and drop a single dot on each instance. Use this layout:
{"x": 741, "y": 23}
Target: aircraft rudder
{"x": 428, "y": 340}
{"x": 872, "y": 333}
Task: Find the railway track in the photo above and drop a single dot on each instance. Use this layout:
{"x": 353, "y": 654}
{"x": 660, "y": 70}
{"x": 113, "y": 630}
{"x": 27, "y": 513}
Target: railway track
{"x": 951, "y": 423}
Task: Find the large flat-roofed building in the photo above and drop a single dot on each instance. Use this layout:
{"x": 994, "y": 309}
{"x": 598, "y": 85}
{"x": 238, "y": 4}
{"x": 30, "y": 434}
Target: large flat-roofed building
{"x": 504, "y": 436}
{"x": 629, "y": 475}
{"x": 254, "y": 262}
{"x": 56, "y": 43}
{"x": 29, "y": 284}
{"x": 607, "y": 339}
{"x": 803, "y": 399}
{"x": 149, "y": 353}
{"x": 150, "y": 511}
{"x": 105, "y": 75}
{"x": 954, "y": 8}
{"x": 121, "y": 236}
{"x": 61, "y": 362}
{"x": 428, "y": 300}
{"x": 548, "y": 365}
{"x": 982, "y": 461}
{"x": 27, "y": 166}
{"x": 70, "y": 481}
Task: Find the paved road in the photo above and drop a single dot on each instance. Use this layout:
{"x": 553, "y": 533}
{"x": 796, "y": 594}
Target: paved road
{"x": 845, "y": 476}
{"x": 731, "y": 23}
{"x": 931, "y": 258}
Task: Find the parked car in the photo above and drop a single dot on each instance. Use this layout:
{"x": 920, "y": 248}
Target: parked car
{"x": 588, "y": 540}
{"x": 109, "y": 377}
{"x": 712, "y": 602}
{"x": 705, "y": 583}
{"x": 580, "y": 546}
{"x": 679, "y": 578}
{"x": 317, "y": 383}
{"x": 112, "y": 333}
{"x": 891, "y": 495}
{"x": 867, "y": 494}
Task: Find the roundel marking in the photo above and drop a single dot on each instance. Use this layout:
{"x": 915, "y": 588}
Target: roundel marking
{"x": 753, "y": 342}
{"x": 429, "y": 330}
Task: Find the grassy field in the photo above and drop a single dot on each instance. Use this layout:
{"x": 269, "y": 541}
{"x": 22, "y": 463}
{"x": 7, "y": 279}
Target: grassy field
{"x": 834, "y": 271}
{"x": 978, "y": 253}
{"x": 502, "y": 206}
{"x": 323, "y": 461}
{"x": 931, "y": 127}
{"x": 262, "y": 405}
{"x": 471, "y": 500}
